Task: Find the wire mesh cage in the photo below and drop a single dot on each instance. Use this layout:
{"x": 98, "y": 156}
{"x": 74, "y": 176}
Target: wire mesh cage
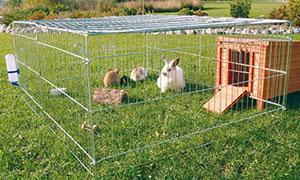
{"x": 131, "y": 89}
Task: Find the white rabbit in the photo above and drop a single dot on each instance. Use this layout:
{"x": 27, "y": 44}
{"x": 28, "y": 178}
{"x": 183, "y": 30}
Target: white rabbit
{"x": 171, "y": 77}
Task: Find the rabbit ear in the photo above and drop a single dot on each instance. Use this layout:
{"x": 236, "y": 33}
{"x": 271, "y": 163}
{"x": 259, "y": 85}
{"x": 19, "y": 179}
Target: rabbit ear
{"x": 163, "y": 59}
{"x": 175, "y": 62}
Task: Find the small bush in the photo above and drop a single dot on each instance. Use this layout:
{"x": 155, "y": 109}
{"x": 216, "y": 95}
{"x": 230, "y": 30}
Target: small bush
{"x": 117, "y": 12}
{"x": 280, "y": 13}
{"x": 129, "y": 11}
{"x": 200, "y": 13}
{"x": 39, "y": 9}
{"x": 59, "y": 8}
{"x": 185, "y": 11}
{"x": 84, "y": 14}
{"x": 15, "y": 15}
{"x": 105, "y": 5}
{"x": 85, "y": 5}
{"x": 38, "y": 15}
{"x": 240, "y": 8}
{"x": 80, "y": 14}
{"x": 293, "y": 9}
{"x": 52, "y": 16}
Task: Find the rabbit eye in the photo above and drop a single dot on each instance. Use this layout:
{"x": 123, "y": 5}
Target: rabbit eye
{"x": 168, "y": 70}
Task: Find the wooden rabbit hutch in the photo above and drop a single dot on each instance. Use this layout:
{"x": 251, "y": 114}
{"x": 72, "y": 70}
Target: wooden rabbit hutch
{"x": 254, "y": 67}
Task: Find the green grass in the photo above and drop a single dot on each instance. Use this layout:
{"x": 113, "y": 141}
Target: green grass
{"x": 220, "y": 9}
{"x": 263, "y": 147}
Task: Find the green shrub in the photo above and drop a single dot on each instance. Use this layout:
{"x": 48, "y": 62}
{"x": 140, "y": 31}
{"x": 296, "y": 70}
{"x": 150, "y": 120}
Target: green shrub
{"x": 52, "y": 15}
{"x": 15, "y": 15}
{"x": 291, "y": 12}
{"x": 59, "y": 8}
{"x": 280, "y": 13}
{"x": 200, "y": 13}
{"x": 129, "y": 11}
{"x": 105, "y": 5}
{"x": 40, "y": 9}
{"x": 293, "y": 9}
{"x": 185, "y": 11}
{"x": 84, "y": 14}
{"x": 38, "y": 15}
{"x": 13, "y": 3}
{"x": 240, "y": 8}
{"x": 86, "y": 4}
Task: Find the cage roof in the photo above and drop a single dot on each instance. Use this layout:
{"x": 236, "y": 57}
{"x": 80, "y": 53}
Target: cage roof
{"x": 145, "y": 23}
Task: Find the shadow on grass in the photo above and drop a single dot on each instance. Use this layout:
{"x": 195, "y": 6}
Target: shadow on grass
{"x": 191, "y": 87}
{"x": 212, "y": 8}
{"x": 293, "y": 100}
{"x": 131, "y": 100}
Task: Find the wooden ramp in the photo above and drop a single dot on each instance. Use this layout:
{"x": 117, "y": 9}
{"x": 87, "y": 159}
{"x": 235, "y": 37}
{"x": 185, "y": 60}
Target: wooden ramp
{"x": 225, "y": 99}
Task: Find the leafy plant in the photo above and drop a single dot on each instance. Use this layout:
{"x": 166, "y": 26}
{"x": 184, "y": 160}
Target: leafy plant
{"x": 280, "y": 13}
{"x": 185, "y": 11}
{"x": 15, "y": 15}
{"x": 40, "y": 8}
{"x": 200, "y": 13}
{"x": 14, "y": 3}
{"x": 59, "y": 8}
{"x": 38, "y": 15}
{"x": 240, "y": 8}
{"x": 293, "y": 9}
{"x": 52, "y": 16}
{"x": 129, "y": 11}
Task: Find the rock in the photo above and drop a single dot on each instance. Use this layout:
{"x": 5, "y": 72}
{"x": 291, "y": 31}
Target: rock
{"x": 266, "y": 32}
{"x": 254, "y": 32}
{"x": 214, "y": 31}
{"x": 178, "y": 32}
{"x": 8, "y": 29}
{"x": 190, "y": 32}
{"x": 3, "y": 28}
{"x": 232, "y": 31}
{"x": 227, "y": 31}
{"x": 237, "y": 31}
{"x": 245, "y": 31}
{"x": 208, "y": 31}
{"x": 155, "y": 33}
{"x": 220, "y": 31}
{"x": 169, "y": 33}
{"x": 296, "y": 30}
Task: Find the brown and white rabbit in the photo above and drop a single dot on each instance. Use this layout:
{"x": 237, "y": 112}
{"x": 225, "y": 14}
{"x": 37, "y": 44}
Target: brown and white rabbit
{"x": 111, "y": 77}
{"x": 171, "y": 77}
{"x": 139, "y": 74}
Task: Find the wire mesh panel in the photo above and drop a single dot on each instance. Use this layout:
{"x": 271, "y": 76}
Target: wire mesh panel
{"x": 140, "y": 87}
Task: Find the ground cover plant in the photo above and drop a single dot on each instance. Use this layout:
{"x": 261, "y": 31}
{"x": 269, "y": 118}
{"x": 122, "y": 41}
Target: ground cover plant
{"x": 256, "y": 148}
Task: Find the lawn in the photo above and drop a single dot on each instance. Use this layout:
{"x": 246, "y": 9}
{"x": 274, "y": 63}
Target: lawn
{"x": 220, "y": 9}
{"x": 263, "y": 147}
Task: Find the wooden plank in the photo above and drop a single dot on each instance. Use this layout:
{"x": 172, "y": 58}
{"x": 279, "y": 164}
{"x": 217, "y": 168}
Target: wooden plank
{"x": 225, "y": 99}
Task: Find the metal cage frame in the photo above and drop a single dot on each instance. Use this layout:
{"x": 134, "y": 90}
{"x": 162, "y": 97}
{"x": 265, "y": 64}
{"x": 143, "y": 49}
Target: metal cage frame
{"x": 37, "y": 43}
